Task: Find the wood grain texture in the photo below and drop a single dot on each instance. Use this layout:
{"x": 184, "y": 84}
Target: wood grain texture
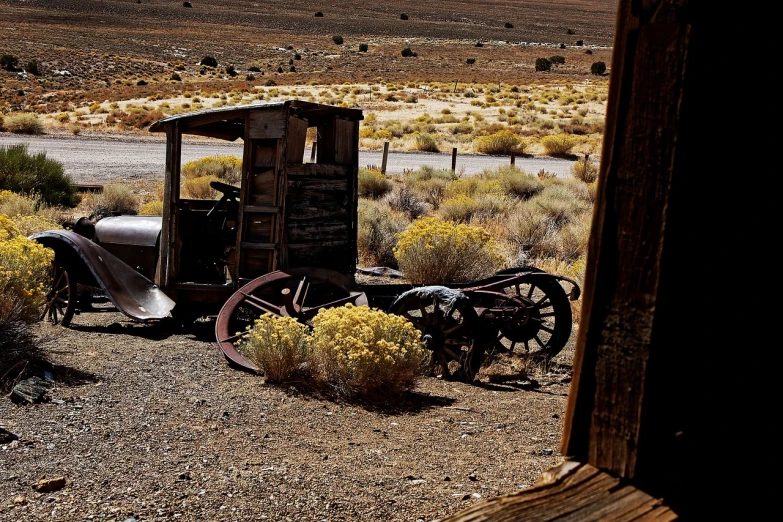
{"x": 167, "y": 260}
{"x": 624, "y": 414}
{"x": 295, "y": 142}
{"x": 345, "y": 141}
{"x": 570, "y": 492}
{"x": 267, "y": 124}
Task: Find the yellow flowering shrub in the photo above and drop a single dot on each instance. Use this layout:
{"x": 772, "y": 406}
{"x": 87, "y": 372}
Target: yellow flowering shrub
{"x": 225, "y": 168}
{"x": 373, "y": 183}
{"x": 558, "y": 143}
{"x": 367, "y": 351}
{"x": 29, "y": 225}
{"x": 8, "y": 228}
{"x": 6, "y": 194}
{"x": 198, "y": 188}
{"x": 433, "y": 251}
{"x": 460, "y": 208}
{"x": 24, "y": 274}
{"x": 501, "y": 142}
{"x": 151, "y": 208}
{"x": 277, "y": 345}
{"x": 472, "y": 186}
{"x": 13, "y": 204}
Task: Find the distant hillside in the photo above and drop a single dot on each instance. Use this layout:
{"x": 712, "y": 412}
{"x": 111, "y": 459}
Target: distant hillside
{"x": 88, "y": 45}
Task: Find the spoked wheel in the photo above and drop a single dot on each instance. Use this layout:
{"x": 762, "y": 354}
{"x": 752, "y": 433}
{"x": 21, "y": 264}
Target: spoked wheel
{"x": 61, "y": 298}
{"x": 447, "y": 328}
{"x": 295, "y": 292}
{"x": 532, "y": 314}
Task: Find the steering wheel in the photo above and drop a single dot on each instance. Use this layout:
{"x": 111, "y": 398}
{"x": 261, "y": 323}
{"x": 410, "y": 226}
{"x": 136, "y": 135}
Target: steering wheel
{"x": 230, "y": 195}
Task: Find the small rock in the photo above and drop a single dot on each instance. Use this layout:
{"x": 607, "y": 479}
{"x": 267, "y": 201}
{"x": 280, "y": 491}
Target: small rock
{"x": 476, "y": 495}
{"x": 185, "y": 475}
{"x": 49, "y": 485}
{"x": 547, "y": 451}
{"x": 472, "y": 477}
{"x": 30, "y": 391}
{"x": 417, "y": 481}
{"x": 7, "y": 436}
{"x": 21, "y": 500}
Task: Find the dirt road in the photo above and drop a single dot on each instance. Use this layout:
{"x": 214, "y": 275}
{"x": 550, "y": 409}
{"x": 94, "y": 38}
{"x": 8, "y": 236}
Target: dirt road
{"x": 102, "y": 159}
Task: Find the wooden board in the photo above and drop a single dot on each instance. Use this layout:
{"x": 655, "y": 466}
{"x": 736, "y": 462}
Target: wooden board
{"x": 345, "y": 152}
{"x": 269, "y": 124}
{"x": 264, "y": 154}
{"x": 570, "y": 491}
{"x": 295, "y": 141}
{"x": 263, "y": 190}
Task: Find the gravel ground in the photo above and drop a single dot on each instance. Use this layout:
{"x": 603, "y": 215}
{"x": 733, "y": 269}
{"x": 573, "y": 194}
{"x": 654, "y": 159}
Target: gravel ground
{"x": 148, "y": 422}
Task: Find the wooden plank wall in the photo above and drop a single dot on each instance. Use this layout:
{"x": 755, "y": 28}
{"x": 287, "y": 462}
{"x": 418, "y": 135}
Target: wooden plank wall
{"x": 319, "y": 217}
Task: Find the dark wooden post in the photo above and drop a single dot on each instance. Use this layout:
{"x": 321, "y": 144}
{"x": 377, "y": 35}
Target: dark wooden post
{"x": 513, "y": 156}
{"x": 634, "y": 424}
{"x": 312, "y": 152}
{"x": 167, "y": 254}
{"x": 385, "y": 156}
{"x": 454, "y": 159}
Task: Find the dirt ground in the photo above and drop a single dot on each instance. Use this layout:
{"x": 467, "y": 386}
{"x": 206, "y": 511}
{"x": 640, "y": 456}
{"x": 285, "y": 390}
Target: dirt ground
{"x": 103, "y": 52}
{"x": 148, "y": 422}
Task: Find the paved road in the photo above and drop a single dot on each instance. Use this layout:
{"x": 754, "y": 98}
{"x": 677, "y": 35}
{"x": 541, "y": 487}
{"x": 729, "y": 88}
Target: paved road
{"x": 100, "y": 160}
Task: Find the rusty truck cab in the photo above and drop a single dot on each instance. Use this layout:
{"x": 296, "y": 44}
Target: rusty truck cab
{"x": 285, "y": 212}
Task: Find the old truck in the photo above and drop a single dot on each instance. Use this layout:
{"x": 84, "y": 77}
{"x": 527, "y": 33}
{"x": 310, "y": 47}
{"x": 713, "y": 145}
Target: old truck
{"x": 285, "y": 241}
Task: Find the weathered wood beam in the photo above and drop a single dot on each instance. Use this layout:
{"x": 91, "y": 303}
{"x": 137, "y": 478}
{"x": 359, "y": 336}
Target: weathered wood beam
{"x": 628, "y": 406}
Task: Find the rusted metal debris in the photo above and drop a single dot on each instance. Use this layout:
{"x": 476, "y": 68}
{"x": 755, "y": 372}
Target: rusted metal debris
{"x": 129, "y": 291}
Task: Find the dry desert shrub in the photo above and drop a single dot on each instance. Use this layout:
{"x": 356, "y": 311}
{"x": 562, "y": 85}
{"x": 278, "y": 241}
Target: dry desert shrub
{"x": 405, "y": 200}
{"x": 279, "y": 346}
{"x": 151, "y": 208}
{"x": 23, "y": 123}
{"x": 199, "y": 188}
{"x": 560, "y": 203}
{"x": 31, "y": 214}
{"x": 558, "y": 144}
{"x": 514, "y": 182}
{"x": 137, "y": 117}
{"x": 114, "y": 199}
{"x": 377, "y": 234}
{"x": 433, "y": 251}
{"x": 585, "y": 170}
{"x": 13, "y": 204}
{"x": 459, "y": 209}
{"x": 373, "y": 183}
{"x": 24, "y": 275}
{"x": 425, "y": 142}
{"x": 429, "y": 183}
{"x": 224, "y": 168}
{"x": 35, "y": 223}
{"x": 532, "y": 233}
{"x": 500, "y": 142}
{"x": 365, "y": 352}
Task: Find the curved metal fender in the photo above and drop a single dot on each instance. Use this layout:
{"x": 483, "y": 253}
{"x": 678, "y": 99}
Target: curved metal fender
{"x": 133, "y": 294}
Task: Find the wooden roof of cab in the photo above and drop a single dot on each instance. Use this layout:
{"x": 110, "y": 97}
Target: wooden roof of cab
{"x": 228, "y": 123}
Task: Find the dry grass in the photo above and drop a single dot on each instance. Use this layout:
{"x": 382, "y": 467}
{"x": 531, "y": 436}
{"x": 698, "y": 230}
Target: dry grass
{"x": 23, "y": 123}
{"x": 114, "y": 199}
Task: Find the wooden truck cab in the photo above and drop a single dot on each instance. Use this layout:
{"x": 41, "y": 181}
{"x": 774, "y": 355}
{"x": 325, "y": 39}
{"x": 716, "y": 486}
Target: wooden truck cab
{"x": 285, "y": 213}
